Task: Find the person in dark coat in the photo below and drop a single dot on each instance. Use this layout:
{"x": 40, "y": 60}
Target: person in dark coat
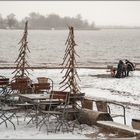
{"x": 120, "y": 68}
{"x": 129, "y": 67}
{"x": 124, "y": 70}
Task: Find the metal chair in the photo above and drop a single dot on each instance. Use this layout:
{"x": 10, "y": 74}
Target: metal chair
{"x": 43, "y": 79}
{"x": 17, "y": 86}
{"x": 44, "y": 85}
{"x": 51, "y": 117}
{"x": 21, "y": 85}
{"x": 4, "y": 82}
{"x": 104, "y": 106}
{"x": 7, "y": 113}
{"x": 71, "y": 111}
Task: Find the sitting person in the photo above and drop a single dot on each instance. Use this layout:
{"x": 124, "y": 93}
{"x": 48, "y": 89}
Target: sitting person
{"x": 129, "y": 67}
{"x": 113, "y": 72}
{"x": 120, "y": 67}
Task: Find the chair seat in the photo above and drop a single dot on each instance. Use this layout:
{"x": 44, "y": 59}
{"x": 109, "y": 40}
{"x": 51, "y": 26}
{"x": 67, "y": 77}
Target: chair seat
{"x": 51, "y": 112}
{"x": 68, "y": 110}
{"x": 116, "y": 115}
{"x": 9, "y": 108}
{"x": 51, "y": 103}
{"x": 72, "y": 110}
{"x": 23, "y": 104}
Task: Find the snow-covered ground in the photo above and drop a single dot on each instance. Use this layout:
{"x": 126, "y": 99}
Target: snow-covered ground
{"x": 94, "y": 83}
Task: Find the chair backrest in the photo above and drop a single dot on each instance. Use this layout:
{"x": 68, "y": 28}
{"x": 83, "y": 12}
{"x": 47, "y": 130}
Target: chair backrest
{"x": 42, "y": 80}
{"x": 4, "y": 81}
{"x": 22, "y": 80}
{"x": 101, "y": 106}
{"x": 19, "y": 86}
{"x": 22, "y": 85}
{"x": 41, "y": 86}
{"x": 62, "y": 95}
{"x": 59, "y": 94}
{"x": 45, "y": 81}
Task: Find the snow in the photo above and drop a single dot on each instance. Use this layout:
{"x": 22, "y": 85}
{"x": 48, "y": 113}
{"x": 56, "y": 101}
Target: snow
{"x": 94, "y": 83}
{"x": 24, "y": 131}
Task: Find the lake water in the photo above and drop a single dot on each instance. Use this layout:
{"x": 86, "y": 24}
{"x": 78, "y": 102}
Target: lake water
{"x": 97, "y": 47}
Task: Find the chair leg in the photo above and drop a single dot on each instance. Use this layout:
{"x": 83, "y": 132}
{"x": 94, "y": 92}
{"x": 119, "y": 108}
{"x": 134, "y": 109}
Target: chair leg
{"x": 44, "y": 120}
{"x": 9, "y": 119}
{"x": 77, "y": 121}
{"x": 17, "y": 120}
{"x": 3, "y": 120}
{"x": 64, "y": 125}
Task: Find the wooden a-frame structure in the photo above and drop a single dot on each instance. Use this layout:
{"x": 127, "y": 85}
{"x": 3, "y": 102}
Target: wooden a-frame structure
{"x": 69, "y": 62}
{"x": 21, "y": 62}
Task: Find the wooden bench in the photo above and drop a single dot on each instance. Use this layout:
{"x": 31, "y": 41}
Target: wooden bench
{"x": 119, "y": 128}
{"x": 103, "y": 105}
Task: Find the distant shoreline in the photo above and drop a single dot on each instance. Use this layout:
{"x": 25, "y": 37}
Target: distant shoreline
{"x": 52, "y": 29}
{"x": 95, "y": 29}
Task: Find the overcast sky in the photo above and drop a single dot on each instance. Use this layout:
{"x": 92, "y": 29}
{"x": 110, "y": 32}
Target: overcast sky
{"x": 101, "y": 12}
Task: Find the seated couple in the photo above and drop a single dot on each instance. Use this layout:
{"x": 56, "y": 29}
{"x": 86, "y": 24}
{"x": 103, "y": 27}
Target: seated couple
{"x": 123, "y": 69}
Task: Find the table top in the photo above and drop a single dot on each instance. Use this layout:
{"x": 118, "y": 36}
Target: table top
{"x": 35, "y": 96}
{"x": 8, "y": 108}
{"x": 40, "y": 99}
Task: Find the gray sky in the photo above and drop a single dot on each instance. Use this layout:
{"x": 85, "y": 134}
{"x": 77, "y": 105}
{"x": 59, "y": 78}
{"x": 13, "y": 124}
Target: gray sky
{"x": 101, "y": 12}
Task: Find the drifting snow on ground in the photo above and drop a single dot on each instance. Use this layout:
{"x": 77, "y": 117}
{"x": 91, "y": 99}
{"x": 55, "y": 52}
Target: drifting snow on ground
{"x": 24, "y": 131}
{"x": 94, "y": 83}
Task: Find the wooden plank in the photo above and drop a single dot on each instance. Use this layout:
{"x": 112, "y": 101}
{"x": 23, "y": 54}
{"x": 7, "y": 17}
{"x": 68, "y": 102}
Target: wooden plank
{"x": 136, "y": 123}
{"x": 119, "y": 128}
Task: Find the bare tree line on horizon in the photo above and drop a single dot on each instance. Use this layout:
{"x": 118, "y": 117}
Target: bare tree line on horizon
{"x": 38, "y": 21}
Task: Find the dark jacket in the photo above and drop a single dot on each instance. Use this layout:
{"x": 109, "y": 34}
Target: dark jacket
{"x": 130, "y": 66}
{"x": 120, "y": 67}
